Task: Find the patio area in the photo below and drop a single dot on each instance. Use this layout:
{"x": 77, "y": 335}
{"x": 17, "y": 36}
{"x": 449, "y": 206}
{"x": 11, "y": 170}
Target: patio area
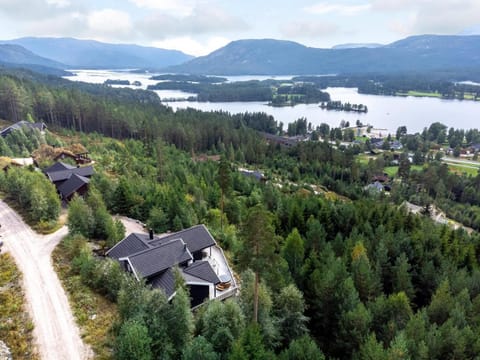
{"x": 218, "y": 261}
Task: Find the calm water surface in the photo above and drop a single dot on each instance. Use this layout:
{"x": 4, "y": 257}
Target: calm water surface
{"x": 387, "y": 112}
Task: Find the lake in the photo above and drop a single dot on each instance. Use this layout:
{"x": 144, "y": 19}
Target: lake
{"x": 387, "y": 112}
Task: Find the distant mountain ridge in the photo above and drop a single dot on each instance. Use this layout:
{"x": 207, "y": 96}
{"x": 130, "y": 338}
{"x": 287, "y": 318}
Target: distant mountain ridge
{"x": 277, "y": 57}
{"x": 356, "y": 46}
{"x": 92, "y": 54}
{"x": 16, "y": 54}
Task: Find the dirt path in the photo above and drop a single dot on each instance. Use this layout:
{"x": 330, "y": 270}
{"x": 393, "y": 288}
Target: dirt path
{"x": 55, "y": 331}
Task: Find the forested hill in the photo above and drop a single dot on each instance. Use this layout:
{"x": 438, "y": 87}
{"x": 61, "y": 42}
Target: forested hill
{"x": 18, "y": 55}
{"x": 93, "y": 54}
{"x": 428, "y": 53}
{"x": 342, "y": 273}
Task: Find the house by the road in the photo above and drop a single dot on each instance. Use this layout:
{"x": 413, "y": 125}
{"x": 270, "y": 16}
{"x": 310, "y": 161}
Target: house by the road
{"x": 192, "y": 252}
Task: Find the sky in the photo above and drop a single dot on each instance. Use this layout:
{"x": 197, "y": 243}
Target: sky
{"x": 198, "y": 27}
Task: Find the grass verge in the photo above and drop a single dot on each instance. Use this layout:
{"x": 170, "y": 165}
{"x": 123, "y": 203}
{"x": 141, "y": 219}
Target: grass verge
{"x": 16, "y": 327}
{"x": 94, "y": 314}
{"x": 42, "y": 228}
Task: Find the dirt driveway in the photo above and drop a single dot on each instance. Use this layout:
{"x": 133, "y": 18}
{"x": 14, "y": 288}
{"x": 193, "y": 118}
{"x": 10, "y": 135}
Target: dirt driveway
{"x": 55, "y": 331}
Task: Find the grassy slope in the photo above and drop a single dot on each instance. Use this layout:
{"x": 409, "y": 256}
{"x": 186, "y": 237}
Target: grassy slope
{"x": 94, "y": 314}
{"x": 15, "y": 324}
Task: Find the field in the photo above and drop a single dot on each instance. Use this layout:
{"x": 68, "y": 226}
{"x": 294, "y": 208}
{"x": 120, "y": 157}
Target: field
{"x": 392, "y": 171}
{"x": 420, "y": 94}
{"x": 466, "y": 95}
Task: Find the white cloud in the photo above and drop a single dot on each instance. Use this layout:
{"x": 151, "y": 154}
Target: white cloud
{"x": 203, "y": 20}
{"x": 193, "y": 47}
{"x": 110, "y": 24}
{"x": 342, "y": 9}
{"x": 34, "y": 10}
{"x": 427, "y": 16}
{"x": 72, "y": 24}
{"x": 308, "y": 29}
{"x": 59, "y": 3}
{"x": 178, "y": 7}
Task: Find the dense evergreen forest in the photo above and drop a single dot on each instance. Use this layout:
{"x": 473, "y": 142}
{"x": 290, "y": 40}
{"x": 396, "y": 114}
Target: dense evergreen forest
{"x": 343, "y": 274}
{"x": 278, "y": 93}
{"x": 438, "y": 84}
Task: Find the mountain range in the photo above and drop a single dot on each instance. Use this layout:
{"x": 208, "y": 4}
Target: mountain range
{"x": 74, "y": 53}
{"x": 423, "y": 53}
{"x": 276, "y": 57}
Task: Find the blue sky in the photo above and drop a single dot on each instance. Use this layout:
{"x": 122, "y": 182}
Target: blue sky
{"x": 198, "y": 27}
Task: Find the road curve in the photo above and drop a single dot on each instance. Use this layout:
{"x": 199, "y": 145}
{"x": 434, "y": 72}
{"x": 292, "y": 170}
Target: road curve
{"x": 56, "y": 333}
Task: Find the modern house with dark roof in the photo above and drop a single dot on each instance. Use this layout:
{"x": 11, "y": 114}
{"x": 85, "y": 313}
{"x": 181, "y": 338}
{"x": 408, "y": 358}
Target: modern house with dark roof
{"x": 58, "y": 166}
{"x": 58, "y": 177}
{"x": 76, "y": 184}
{"x": 22, "y": 124}
{"x": 69, "y": 180}
{"x": 192, "y": 252}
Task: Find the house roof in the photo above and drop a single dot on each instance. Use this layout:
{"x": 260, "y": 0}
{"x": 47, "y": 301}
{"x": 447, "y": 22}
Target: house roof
{"x": 62, "y": 175}
{"x": 20, "y": 124}
{"x": 164, "y": 281}
{"x": 72, "y": 185}
{"x": 255, "y": 173}
{"x": 197, "y": 238}
{"x": 380, "y": 178}
{"x": 59, "y": 166}
{"x": 155, "y": 260}
{"x": 202, "y": 270}
{"x": 193, "y": 280}
{"x": 376, "y": 186}
{"x": 132, "y": 244}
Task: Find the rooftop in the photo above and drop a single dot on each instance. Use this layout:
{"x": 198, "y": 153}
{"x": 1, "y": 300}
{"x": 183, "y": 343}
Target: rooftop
{"x": 197, "y": 238}
{"x": 155, "y": 260}
{"x": 72, "y": 185}
{"x": 133, "y": 243}
{"x": 62, "y": 175}
{"x": 59, "y": 166}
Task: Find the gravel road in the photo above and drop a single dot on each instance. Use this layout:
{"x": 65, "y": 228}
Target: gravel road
{"x": 55, "y": 331}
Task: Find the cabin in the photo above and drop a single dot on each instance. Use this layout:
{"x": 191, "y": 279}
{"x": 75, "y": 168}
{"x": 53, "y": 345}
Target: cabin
{"x": 192, "y": 252}
{"x": 69, "y": 180}
{"x": 281, "y": 140}
{"x": 23, "y": 124}
{"x": 76, "y": 184}
{"x": 81, "y": 158}
{"x": 257, "y": 175}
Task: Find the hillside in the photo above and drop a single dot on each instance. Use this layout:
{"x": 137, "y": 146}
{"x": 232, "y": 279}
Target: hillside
{"x": 345, "y": 273}
{"x": 266, "y": 56}
{"x": 93, "y": 54}
{"x": 16, "y": 54}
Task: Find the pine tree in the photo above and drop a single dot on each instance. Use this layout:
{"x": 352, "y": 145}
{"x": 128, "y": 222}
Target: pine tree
{"x": 259, "y": 246}
{"x": 224, "y": 179}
